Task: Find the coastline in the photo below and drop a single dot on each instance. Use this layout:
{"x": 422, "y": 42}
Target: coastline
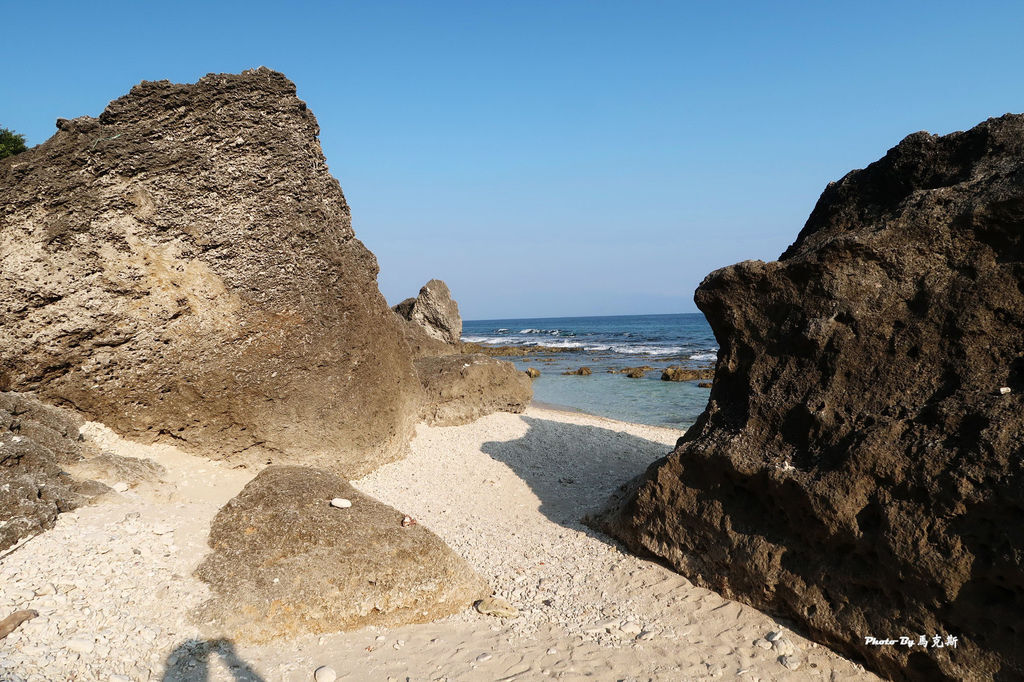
{"x": 506, "y": 492}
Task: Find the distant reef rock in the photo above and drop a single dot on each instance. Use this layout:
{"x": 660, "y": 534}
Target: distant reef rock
{"x": 431, "y": 321}
{"x": 677, "y": 373}
{"x": 287, "y": 562}
{"x": 859, "y": 468}
{"x": 37, "y": 444}
{"x": 461, "y": 388}
{"x": 183, "y": 268}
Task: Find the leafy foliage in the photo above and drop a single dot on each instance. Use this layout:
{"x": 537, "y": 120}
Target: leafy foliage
{"x": 11, "y": 143}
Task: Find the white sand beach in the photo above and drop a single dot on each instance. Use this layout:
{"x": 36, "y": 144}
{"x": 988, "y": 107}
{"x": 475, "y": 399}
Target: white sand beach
{"x": 114, "y": 588}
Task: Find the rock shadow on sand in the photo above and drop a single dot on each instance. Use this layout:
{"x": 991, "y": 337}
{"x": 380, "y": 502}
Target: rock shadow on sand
{"x": 573, "y": 468}
{"x": 190, "y": 662}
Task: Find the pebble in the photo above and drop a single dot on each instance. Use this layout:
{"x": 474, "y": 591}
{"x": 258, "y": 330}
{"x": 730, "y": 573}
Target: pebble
{"x": 120, "y": 487}
{"x": 1003, "y": 390}
{"x": 631, "y": 628}
{"x": 81, "y": 644}
{"x": 790, "y": 662}
{"x": 325, "y": 673}
{"x": 341, "y": 503}
{"x": 483, "y": 658}
{"x": 763, "y": 643}
{"x": 497, "y": 607}
{"x": 783, "y": 646}
{"x": 773, "y": 636}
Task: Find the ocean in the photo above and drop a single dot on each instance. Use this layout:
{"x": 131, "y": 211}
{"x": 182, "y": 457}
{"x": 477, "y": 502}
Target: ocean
{"x": 606, "y": 345}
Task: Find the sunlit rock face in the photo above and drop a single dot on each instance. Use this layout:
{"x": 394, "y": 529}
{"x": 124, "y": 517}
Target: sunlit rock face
{"x": 184, "y": 268}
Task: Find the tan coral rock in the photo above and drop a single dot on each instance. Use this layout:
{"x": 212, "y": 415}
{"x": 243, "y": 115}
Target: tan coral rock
{"x": 184, "y": 268}
{"x": 286, "y": 563}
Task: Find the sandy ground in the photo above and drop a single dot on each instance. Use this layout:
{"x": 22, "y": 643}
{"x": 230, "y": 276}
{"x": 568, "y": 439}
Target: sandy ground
{"x": 113, "y": 582}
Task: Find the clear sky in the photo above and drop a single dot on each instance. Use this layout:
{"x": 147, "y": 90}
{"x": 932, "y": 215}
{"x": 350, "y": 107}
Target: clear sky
{"x": 555, "y": 158}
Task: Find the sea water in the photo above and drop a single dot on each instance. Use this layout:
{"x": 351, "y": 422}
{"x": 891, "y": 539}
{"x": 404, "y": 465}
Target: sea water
{"x": 607, "y": 345}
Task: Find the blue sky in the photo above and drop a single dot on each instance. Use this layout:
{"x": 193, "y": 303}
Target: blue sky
{"x": 555, "y": 158}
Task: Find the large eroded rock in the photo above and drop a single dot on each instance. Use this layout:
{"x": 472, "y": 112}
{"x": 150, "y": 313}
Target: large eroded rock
{"x": 184, "y": 267}
{"x": 285, "y": 562}
{"x": 463, "y": 387}
{"x": 858, "y": 468}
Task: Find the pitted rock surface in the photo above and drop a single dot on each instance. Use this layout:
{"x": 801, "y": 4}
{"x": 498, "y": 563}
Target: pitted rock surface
{"x": 285, "y": 562}
{"x": 463, "y": 387}
{"x": 184, "y": 268}
{"x": 858, "y": 469}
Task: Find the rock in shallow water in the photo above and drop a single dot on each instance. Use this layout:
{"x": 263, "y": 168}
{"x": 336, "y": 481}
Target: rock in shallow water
{"x": 856, "y": 471}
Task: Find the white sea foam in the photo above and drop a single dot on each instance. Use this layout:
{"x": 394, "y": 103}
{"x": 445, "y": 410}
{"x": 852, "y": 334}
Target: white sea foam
{"x": 482, "y": 339}
{"x": 704, "y": 356}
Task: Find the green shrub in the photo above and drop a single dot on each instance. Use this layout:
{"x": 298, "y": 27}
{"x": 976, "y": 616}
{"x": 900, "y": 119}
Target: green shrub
{"x": 11, "y": 143}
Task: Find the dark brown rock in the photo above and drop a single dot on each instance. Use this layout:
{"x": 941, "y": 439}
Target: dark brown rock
{"x": 460, "y": 388}
{"x": 532, "y": 372}
{"x": 636, "y": 372}
{"x": 37, "y": 444}
{"x": 184, "y": 267}
{"x": 435, "y": 312}
{"x": 858, "y": 469}
{"x": 582, "y": 371}
{"x": 704, "y": 384}
{"x": 287, "y": 563}
{"x": 677, "y": 373}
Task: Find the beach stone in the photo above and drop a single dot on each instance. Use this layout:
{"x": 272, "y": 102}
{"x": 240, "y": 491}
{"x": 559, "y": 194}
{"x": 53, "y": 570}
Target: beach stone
{"x": 790, "y": 662}
{"x": 325, "y": 673}
{"x": 341, "y": 503}
{"x": 81, "y": 644}
{"x": 182, "y": 287}
{"x": 856, "y": 471}
{"x": 435, "y": 313}
{"x": 336, "y": 571}
{"x": 461, "y": 388}
{"x": 582, "y": 371}
{"x": 636, "y": 372}
{"x": 496, "y": 606}
{"x": 704, "y": 384}
{"x": 532, "y": 372}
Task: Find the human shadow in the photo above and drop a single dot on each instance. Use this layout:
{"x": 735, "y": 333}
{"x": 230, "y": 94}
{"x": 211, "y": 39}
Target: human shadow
{"x": 574, "y": 469}
{"x": 190, "y": 662}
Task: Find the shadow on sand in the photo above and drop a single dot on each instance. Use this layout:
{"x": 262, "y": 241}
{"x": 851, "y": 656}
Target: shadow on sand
{"x": 190, "y": 662}
{"x": 574, "y": 469}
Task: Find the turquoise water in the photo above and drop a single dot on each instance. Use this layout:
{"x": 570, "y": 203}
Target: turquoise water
{"x": 611, "y": 343}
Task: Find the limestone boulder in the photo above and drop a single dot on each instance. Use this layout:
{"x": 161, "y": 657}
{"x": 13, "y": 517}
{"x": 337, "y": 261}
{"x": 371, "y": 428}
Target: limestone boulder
{"x": 859, "y": 469}
{"x": 435, "y": 312}
{"x": 183, "y": 268}
{"x": 285, "y": 562}
{"x": 463, "y": 387}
